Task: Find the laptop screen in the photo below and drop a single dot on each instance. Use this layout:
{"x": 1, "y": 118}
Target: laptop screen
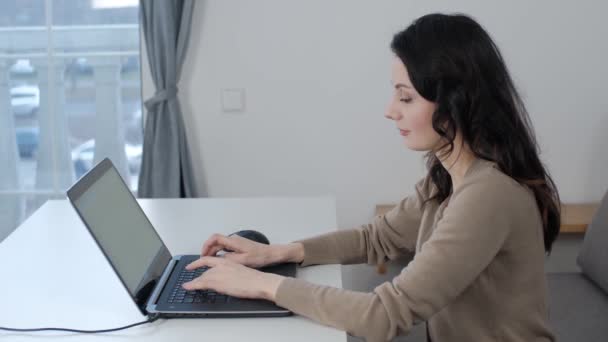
{"x": 121, "y": 229}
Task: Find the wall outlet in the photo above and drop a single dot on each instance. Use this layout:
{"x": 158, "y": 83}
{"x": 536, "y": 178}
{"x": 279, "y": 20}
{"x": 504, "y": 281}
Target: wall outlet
{"x": 233, "y": 99}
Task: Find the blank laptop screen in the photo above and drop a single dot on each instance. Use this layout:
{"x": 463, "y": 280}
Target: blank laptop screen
{"x": 121, "y": 229}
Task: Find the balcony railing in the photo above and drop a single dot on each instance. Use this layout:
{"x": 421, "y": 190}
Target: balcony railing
{"x": 39, "y": 68}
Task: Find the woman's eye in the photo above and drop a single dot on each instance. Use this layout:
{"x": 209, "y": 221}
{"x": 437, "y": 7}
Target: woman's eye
{"x": 405, "y": 100}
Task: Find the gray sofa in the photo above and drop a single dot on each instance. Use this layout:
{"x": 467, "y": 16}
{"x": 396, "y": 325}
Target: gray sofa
{"x": 578, "y": 301}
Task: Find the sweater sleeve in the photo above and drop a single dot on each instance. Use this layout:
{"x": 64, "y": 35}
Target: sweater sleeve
{"x": 474, "y": 227}
{"x": 388, "y": 236}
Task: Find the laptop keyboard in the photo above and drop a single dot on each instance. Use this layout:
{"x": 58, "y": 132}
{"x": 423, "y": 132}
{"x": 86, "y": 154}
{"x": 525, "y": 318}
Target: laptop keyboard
{"x": 179, "y": 295}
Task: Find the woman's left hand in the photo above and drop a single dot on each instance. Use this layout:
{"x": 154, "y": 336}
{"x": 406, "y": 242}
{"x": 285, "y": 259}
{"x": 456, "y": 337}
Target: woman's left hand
{"x": 228, "y": 277}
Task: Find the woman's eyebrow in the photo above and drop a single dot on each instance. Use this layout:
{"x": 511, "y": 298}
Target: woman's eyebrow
{"x": 401, "y": 85}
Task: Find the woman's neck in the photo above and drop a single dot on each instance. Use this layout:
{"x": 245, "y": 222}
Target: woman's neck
{"x": 457, "y": 162}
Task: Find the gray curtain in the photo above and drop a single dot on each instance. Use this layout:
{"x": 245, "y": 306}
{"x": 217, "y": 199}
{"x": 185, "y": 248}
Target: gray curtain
{"x": 166, "y": 169}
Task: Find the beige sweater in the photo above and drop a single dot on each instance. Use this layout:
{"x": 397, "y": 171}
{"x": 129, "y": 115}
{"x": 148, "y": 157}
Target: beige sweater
{"x": 477, "y": 275}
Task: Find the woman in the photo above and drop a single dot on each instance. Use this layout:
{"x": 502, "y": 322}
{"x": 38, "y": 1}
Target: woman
{"x": 480, "y": 222}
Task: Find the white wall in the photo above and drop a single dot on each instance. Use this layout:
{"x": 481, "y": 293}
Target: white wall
{"x": 317, "y": 77}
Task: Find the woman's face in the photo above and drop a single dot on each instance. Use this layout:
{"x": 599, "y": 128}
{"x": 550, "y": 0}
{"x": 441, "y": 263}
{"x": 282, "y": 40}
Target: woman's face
{"x": 411, "y": 112}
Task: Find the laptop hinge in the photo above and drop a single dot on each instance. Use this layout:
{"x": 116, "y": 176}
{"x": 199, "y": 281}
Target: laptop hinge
{"x": 151, "y": 305}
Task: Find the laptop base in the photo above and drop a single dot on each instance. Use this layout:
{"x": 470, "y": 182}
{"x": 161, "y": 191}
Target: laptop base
{"x": 231, "y": 307}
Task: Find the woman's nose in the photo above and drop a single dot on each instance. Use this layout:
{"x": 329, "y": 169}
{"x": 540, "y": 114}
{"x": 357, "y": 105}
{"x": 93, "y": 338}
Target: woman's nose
{"x": 392, "y": 114}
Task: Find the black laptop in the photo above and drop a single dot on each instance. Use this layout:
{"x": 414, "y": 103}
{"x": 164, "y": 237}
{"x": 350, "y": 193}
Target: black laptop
{"x": 146, "y": 268}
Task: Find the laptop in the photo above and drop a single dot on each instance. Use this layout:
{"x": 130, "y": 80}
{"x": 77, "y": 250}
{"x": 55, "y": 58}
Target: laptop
{"x": 150, "y": 274}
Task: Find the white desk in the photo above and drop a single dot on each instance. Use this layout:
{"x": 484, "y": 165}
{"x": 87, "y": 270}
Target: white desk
{"x": 51, "y": 261}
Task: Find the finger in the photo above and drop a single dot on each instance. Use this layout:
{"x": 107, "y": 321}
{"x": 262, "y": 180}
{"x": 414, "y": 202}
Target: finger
{"x": 213, "y": 251}
{"x": 210, "y": 243}
{"x": 236, "y": 257}
{"x": 223, "y": 242}
{"x": 204, "y": 262}
{"x": 199, "y": 283}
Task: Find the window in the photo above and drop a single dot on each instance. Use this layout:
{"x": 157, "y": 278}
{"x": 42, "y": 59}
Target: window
{"x": 70, "y": 95}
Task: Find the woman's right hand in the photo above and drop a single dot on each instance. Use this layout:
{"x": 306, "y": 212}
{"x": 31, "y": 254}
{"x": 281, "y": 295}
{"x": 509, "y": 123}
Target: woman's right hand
{"x": 251, "y": 253}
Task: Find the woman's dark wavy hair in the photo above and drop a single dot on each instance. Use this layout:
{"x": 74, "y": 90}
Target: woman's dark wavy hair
{"x": 453, "y": 62}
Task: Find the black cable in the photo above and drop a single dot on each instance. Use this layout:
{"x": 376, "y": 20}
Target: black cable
{"x": 149, "y": 320}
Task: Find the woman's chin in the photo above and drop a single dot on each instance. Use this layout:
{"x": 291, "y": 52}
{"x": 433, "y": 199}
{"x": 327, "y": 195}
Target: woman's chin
{"x": 417, "y": 147}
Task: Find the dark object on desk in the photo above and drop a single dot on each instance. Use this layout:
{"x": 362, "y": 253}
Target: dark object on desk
{"x": 252, "y": 235}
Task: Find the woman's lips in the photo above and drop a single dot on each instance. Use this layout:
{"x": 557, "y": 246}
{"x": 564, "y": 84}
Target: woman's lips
{"x": 404, "y": 132}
